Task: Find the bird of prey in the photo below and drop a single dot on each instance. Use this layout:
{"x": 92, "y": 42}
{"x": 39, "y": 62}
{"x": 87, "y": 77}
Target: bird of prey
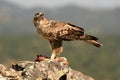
{"x": 57, "y": 32}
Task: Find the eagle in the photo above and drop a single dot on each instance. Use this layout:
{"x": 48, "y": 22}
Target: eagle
{"x": 58, "y": 31}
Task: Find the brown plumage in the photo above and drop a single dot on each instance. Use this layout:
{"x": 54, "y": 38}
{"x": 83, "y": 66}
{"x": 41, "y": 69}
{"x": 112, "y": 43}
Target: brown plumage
{"x": 57, "y": 31}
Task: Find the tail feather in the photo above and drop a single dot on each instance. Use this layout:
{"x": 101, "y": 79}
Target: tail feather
{"x": 95, "y": 43}
{"x": 92, "y": 40}
{"x": 89, "y": 37}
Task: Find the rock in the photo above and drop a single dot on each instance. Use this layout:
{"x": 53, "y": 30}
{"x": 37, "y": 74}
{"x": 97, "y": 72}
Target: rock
{"x": 43, "y": 70}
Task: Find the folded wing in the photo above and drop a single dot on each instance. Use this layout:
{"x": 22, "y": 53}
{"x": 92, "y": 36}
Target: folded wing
{"x": 69, "y": 32}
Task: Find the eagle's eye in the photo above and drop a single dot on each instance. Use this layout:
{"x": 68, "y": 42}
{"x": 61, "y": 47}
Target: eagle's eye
{"x": 36, "y": 14}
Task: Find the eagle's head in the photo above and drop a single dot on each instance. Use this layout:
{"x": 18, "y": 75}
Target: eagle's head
{"x": 37, "y": 17}
{"x": 39, "y": 14}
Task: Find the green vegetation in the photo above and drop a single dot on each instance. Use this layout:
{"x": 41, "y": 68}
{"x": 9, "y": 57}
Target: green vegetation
{"x": 102, "y": 64}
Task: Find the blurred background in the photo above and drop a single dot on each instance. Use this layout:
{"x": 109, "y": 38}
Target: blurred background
{"x": 20, "y": 41}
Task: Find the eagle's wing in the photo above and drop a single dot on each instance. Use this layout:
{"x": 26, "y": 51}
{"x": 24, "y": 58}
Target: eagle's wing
{"x": 61, "y": 30}
{"x": 69, "y": 32}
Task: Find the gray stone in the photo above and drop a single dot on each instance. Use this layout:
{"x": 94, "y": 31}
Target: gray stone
{"x": 44, "y": 70}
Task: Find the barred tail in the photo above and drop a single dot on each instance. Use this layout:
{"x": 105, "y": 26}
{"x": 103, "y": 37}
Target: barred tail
{"x": 92, "y": 40}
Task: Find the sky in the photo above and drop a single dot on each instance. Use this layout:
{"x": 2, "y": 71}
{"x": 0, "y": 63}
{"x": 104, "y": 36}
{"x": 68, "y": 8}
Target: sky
{"x": 56, "y": 3}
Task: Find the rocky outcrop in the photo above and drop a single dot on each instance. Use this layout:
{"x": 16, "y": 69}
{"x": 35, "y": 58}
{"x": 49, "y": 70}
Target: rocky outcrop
{"x": 43, "y": 70}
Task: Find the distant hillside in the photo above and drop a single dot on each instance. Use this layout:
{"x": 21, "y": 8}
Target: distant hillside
{"x": 17, "y": 20}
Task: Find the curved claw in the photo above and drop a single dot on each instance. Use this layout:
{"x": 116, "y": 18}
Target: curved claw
{"x": 49, "y": 61}
{"x": 52, "y": 57}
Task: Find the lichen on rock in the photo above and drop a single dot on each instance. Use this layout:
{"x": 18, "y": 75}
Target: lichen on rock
{"x": 43, "y": 70}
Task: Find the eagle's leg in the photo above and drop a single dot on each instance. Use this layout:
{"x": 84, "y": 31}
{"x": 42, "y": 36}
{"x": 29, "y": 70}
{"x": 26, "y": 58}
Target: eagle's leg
{"x": 56, "y": 46}
{"x": 53, "y": 55}
{"x": 55, "y": 52}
